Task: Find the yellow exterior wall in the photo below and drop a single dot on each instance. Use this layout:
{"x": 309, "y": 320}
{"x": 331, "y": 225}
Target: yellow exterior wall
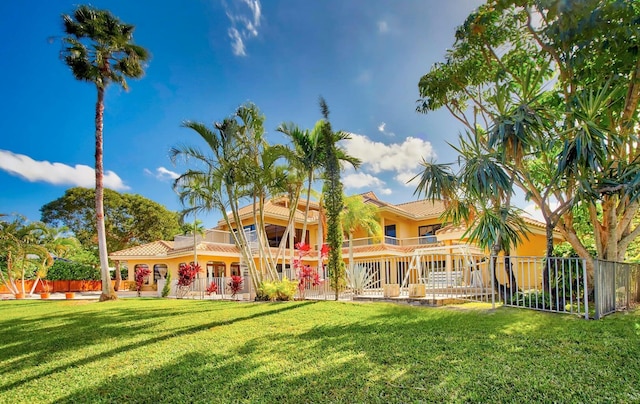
{"x": 173, "y": 264}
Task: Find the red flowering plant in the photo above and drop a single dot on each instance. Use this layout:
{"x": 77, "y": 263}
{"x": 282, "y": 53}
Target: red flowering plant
{"x": 187, "y": 274}
{"x": 141, "y": 273}
{"x": 307, "y": 276}
{"x": 235, "y": 285}
{"x": 212, "y": 288}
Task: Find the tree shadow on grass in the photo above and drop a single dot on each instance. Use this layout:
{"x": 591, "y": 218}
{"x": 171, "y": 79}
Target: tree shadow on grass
{"x": 73, "y": 339}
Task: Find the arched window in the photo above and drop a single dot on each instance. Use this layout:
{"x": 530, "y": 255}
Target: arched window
{"x": 160, "y": 271}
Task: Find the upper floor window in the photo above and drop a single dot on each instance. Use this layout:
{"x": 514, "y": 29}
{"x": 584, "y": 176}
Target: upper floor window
{"x": 427, "y": 233}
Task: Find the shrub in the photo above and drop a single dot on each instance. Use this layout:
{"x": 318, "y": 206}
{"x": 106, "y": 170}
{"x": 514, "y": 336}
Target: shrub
{"x": 140, "y": 274}
{"x": 72, "y": 271}
{"x": 212, "y": 288}
{"x": 283, "y": 290}
{"x": 187, "y": 274}
{"x": 235, "y": 285}
{"x": 167, "y": 286}
{"x": 307, "y": 276}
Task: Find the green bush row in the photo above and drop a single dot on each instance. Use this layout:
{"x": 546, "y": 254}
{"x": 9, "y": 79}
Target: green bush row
{"x": 72, "y": 271}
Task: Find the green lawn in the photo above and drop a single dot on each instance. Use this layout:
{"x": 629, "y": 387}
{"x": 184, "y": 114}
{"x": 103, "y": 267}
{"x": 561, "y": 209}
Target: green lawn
{"x": 152, "y": 350}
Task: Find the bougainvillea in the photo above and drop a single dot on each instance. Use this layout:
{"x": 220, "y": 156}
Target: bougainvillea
{"x": 187, "y": 274}
{"x": 141, "y": 273}
{"x": 307, "y": 276}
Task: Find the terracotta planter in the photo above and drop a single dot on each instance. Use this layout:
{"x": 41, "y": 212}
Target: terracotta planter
{"x": 19, "y": 295}
{"x": 69, "y": 295}
{"x": 45, "y": 295}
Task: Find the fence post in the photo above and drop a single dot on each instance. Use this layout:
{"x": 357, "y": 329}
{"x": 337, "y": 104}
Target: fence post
{"x": 596, "y": 289}
{"x": 492, "y": 268}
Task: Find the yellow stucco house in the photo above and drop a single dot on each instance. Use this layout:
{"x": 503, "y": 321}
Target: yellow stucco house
{"x": 409, "y": 228}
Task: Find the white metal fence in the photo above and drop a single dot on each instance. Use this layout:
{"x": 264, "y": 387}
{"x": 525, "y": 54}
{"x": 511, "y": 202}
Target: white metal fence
{"x": 548, "y": 284}
{"x": 433, "y": 276}
{"x": 617, "y": 286}
{"x": 198, "y": 289}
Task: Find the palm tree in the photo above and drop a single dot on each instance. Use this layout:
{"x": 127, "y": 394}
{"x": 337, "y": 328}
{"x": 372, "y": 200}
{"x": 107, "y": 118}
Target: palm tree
{"x": 479, "y": 195}
{"x": 221, "y": 176}
{"x": 309, "y": 155}
{"x": 194, "y": 194}
{"x": 99, "y": 50}
{"x": 23, "y": 252}
{"x": 359, "y": 215}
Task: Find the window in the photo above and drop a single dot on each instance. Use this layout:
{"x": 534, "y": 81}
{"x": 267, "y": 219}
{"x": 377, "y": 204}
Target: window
{"x": 215, "y": 269}
{"x": 427, "y": 233}
{"x": 390, "y": 234}
{"x": 159, "y": 271}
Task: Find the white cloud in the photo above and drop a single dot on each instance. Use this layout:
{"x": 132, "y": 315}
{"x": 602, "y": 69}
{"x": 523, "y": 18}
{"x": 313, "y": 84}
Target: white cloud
{"x": 383, "y": 27}
{"x": 245, "y": 20}
{"x": 162, "y": 174}
{"x": 56, "y": 173}
{"x": 406, "y": 176}
{"x": 381, "y": 129}
{"x": 236, "y": 43}
{"x": 361, "y": 180}
{"x": 398, "y": 157}
{"x": 386, "y": 191}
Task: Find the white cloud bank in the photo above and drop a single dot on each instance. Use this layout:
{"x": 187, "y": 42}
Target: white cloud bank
{"x": 402, "y": 157}
{"x": 56, "y": 173}
{"x": 245, "y": 21}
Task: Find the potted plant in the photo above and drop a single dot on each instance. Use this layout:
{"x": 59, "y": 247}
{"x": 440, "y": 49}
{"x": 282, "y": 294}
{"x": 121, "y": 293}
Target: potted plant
{"x": 46, "y": 290}
{"x": 69, "y": 295}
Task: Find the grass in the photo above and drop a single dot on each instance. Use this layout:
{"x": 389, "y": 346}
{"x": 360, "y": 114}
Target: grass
{"x": 160, "y": 350}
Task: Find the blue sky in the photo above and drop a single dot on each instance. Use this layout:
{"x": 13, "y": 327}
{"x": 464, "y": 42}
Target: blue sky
{"x": 364, "y": 57}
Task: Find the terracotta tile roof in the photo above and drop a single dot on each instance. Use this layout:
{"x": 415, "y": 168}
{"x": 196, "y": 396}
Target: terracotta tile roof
{"x": 277, "y": 208}
{"x": 414, "y": 209}
{"x": 146, "y": 250}
{"x": 376, "y": 248}
{"x": 422, "y": 208}
{"x": 209, "y": 247}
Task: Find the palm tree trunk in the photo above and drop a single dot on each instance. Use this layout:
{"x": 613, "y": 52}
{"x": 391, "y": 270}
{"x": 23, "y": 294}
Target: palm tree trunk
{"x": 118, "y": 277}
{"x": 306, "y": 209}
{"x": 107, "y": 291}
{"x": 195, "y": 241}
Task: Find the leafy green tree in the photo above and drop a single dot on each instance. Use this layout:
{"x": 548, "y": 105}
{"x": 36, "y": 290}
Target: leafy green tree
{"x": 99, "y": 49}
{"x": 130, "y": 219}
{"x": 554, "y": 85}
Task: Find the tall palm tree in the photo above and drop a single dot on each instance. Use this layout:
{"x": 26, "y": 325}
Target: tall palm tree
{"x": 309, "y": 154}
{"x": 359, "y": 215}
{"x": 195, "y": 197}
{"x": 99, "y": 49}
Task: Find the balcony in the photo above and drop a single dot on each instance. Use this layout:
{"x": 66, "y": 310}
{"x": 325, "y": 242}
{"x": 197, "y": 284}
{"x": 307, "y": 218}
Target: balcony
{"x": 425, "y": 241}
